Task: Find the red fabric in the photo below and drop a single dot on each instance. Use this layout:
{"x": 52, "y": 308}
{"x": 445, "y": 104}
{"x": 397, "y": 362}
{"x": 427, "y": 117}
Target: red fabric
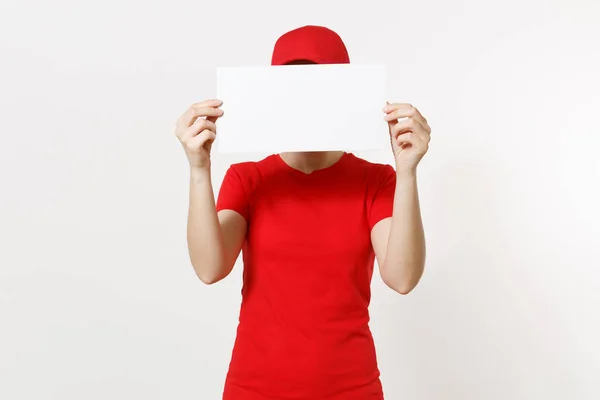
{"x": 313, "y": 43}
{"x": 308, "y": 261}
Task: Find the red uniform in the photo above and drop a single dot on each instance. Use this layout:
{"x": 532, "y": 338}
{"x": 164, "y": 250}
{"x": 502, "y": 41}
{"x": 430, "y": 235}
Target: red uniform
{"x": 308, "y": 261}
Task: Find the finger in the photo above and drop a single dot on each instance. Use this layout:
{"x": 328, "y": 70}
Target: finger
{"x": 400, "y": 110}
{"x": 424, "y": 137}
{"x": 395, "y": 106}
{"x": 406, "y": 138}
{"x": 407, "y": 125}
{"x": 199, "y": 110}
{"x": 206, "y": 103}
{"x": 401, "y": 107}
{"x": 198, "y": 126}
{"x": 404, "y": 112}
{"x": 185, "y": 133}
{"x": 201, "y": 139}
{"x": 414, "y": 141}
{"x": 214, "y": 119}
{"x": 209, "y": 103}
{"x": 194, "y": 113}
{"x": 421, "y": 134}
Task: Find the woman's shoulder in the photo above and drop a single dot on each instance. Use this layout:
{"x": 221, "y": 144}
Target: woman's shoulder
{"x": 372, "y": 168}
{"x": 251, "y": 174}
{"x": 248, "y": 168}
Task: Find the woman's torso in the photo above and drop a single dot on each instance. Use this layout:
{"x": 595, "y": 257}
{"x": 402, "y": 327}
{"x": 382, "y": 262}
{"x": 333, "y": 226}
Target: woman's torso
{"x": 308, "y": 261}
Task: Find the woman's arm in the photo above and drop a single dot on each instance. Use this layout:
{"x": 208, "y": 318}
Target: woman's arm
{"x": 214, "y": 239}
{"x": 399, "y": 241}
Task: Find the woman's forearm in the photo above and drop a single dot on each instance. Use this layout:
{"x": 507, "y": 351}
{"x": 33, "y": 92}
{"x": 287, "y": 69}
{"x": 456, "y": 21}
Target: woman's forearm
{"x": 204, "y": 236}
{"x": 405, "y": 253}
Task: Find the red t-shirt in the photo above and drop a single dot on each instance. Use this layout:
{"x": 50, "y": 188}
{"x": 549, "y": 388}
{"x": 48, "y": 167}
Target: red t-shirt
{"x": 308, "y": 261}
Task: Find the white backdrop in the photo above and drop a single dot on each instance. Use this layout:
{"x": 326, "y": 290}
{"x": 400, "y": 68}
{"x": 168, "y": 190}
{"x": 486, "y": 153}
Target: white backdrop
{"x": 97, "y": 296}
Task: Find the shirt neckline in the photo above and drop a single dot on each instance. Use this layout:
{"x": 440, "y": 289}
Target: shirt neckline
{"x": 316, "y": 172}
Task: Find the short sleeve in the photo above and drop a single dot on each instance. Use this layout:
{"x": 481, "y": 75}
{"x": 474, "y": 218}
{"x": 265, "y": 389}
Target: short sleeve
{"x": 383, "y": 197}
{"x": 232, "y": 195}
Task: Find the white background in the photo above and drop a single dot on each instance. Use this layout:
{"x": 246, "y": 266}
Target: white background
{"x": 97, "y": 296}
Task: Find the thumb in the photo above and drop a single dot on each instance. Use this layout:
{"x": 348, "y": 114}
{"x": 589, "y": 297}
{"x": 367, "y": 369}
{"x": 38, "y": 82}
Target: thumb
{"x": 392, "y": 122}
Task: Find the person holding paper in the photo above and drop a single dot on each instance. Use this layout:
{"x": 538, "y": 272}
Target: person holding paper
{"x": 310, "y": 226}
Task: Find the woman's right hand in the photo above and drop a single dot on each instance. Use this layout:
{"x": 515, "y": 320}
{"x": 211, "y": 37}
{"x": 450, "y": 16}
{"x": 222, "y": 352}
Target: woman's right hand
{"x": 197, "y": 130}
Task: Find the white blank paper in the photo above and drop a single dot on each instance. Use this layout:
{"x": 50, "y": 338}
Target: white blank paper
{"x": 302, "y": 108}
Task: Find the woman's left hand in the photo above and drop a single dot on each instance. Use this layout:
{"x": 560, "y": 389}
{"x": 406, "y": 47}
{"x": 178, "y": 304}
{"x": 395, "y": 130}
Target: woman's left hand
{"x": 409, "y": 133}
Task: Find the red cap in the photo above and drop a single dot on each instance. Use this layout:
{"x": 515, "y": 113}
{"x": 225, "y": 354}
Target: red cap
{"x": 312, "y": 43}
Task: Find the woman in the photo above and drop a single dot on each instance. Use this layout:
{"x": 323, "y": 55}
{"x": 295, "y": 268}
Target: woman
{"x": 310, "y": 226}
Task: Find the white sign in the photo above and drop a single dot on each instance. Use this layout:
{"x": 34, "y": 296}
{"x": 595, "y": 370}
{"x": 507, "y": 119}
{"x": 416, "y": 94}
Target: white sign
{"x": 302, "y": 108}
